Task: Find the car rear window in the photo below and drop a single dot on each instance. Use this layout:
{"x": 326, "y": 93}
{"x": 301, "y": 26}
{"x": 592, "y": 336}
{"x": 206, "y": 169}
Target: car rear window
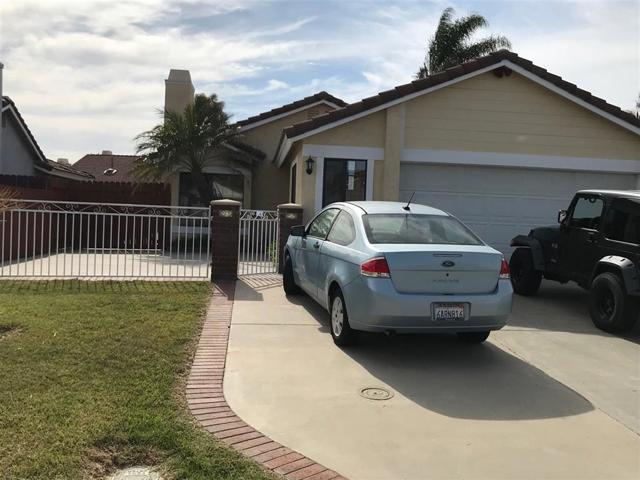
{"x": 415, "y": 228}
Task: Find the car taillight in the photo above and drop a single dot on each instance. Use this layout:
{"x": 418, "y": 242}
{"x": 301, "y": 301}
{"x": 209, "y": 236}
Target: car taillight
{"x": 376, "y": 267}
{"x": 504, "y": 270}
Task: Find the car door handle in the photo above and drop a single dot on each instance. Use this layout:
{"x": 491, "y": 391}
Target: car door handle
{"x": 592, "y": 237}
{"x": 316, "y": 245}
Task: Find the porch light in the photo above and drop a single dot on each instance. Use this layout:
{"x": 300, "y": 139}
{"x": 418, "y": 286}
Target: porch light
{"x": 309, "y": 163}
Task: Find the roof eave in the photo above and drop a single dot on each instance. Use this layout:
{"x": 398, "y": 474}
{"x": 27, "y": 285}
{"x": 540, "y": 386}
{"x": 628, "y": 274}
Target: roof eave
{"x": 287, "y": 141}
{"x": 260, "y": 122}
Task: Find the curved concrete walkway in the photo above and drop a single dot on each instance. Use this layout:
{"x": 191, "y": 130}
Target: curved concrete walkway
{"x": 459, "y": 411}
{"x": 207, "y": 402}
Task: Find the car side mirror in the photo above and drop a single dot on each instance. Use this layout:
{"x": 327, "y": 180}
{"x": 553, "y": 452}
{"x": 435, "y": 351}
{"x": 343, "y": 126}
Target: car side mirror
{"x": 562, "y": 216}
{"x": 297, "y": 231}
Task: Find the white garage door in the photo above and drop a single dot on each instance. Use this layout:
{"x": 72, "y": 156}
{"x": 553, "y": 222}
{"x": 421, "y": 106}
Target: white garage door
{"x": 500, "y": 203}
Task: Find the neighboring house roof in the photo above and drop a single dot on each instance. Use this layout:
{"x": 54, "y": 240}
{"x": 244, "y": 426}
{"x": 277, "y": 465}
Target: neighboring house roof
{"x": 109, "y": 167}
{"x": 503, "y": 59}
{"x": 42, "y": 163}
{"x": 274, "y": 114}
{"x": 68, "y": 169}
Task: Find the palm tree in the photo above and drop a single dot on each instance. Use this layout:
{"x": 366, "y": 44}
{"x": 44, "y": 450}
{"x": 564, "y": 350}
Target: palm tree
{"x": 452, "y": 45}
{"x": 186, "y": 142}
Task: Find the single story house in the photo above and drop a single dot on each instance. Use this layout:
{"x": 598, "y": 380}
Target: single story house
{"x": 498, "y": 141}
{"x": 251, "y": 177}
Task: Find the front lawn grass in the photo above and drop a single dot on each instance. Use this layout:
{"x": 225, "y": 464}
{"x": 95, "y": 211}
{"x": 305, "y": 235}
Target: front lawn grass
{"x": 91, "y": 379}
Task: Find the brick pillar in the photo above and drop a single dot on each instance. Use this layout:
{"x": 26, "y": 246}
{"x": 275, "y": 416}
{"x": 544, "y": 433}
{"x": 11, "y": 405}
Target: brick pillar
{"x": 225, "y": 227}
{"x": 289, "y": 214}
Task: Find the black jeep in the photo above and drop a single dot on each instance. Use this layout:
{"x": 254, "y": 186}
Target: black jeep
{"x": 596, "y": 245}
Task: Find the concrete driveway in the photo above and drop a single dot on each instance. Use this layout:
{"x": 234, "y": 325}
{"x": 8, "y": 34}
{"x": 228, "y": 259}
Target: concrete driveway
{"x": 549, "y": 397}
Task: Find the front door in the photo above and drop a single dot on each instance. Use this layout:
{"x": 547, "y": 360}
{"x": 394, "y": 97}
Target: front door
{"x": 344, "y": 180}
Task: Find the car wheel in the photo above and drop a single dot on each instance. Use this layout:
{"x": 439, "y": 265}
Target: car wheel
{"x": 288, "y": 282}
{"x": 341, "y": 331}
{"x": 611, "y": 309}
{"x": 524, "y": 278}
{"x": 473, "y": 337}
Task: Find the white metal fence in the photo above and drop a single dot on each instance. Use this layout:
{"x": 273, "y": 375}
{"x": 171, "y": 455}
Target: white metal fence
{"x": 258, "y": 242}
{"x": 81, "y": 239}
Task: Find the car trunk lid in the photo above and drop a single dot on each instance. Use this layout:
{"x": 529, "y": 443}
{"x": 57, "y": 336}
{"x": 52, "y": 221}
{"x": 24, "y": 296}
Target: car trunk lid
{"x": 443, "y": 269}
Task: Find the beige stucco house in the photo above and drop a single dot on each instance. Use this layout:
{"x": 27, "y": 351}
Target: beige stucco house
{"x": 498, "y": 141}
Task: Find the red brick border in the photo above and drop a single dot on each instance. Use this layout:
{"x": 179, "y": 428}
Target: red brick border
{"x": 207, "y": 403}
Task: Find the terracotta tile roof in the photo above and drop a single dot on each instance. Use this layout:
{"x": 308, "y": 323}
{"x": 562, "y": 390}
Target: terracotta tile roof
{"x": 318, "y": 97}
{"x": 97, "y": 163}
{"x": 451, "y": 74}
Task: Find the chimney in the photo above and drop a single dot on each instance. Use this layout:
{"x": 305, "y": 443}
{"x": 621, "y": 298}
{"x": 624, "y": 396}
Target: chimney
{"x": 106, "y": 152}
{"x": 63, "y": 161}
{"x": 178, "y": 90}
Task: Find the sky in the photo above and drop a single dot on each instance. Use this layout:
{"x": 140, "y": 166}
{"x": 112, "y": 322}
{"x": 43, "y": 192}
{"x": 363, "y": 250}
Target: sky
{"x": 88, "y": 75}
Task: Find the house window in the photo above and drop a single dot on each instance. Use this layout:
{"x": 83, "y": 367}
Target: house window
{"x": 293, "y": 180}
{"x": 343, "y": 180}
{"x": 221, "y": 185}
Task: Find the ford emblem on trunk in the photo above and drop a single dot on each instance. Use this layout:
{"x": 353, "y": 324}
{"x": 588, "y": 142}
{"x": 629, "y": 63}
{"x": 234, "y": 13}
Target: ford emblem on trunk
{"x": 448, "y": 263}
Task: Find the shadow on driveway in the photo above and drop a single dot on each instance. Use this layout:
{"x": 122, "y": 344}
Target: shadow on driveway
{"x": 560, "y": 308}
{"x": 455, "y": 379}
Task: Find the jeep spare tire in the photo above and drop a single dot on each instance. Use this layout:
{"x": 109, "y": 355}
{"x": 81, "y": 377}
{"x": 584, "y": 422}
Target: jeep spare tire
{"x": 524, "y": 278}
{"x": 611, "y": 309}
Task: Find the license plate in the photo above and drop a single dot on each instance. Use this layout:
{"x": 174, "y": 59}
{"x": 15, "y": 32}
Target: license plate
{"x": 448, "y": 311}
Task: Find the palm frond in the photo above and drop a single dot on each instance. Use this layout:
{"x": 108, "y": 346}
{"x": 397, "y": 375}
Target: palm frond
{"x": 484, "y": 47}
{"x": 465, "y": 27}
{"x": 451, "y": 43}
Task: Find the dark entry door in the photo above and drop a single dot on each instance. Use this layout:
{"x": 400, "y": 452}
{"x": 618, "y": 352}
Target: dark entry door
{"x": 343, "y": 180}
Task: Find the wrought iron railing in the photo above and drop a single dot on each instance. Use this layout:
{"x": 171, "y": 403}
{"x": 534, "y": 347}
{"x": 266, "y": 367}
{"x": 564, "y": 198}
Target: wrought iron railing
{"x": 82, "y": 239}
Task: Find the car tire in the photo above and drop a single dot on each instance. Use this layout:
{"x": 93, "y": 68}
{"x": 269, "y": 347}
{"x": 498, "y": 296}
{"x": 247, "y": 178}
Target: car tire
{"x": 341, "y": 332}
{"x": 473, "y": 337}
{"x": 524, "y": 278}
{"x": 611, "y": 309}
{"x": 288, "y": 281}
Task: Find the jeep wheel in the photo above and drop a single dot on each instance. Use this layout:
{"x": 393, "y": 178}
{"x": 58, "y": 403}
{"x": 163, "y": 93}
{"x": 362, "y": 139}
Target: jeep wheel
{"x": 611, "y": 309}
{"x": 524, "y": 278}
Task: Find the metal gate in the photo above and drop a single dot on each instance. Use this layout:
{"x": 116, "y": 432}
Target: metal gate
{"x": 258, "y": 242}
{"x": 80, "y": 239}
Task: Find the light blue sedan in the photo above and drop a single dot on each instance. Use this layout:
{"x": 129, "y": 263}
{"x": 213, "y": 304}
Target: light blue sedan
{"x": 391, "y": 267}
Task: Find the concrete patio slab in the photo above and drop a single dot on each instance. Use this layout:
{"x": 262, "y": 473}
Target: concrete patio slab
{"x": 117, "y": 266}
{"x": 458, "y": 411}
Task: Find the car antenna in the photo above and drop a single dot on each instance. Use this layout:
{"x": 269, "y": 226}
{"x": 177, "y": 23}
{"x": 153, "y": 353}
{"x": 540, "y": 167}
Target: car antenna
{"x": 406, "y": 207}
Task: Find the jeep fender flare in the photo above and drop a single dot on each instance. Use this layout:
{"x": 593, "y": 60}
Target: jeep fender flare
{"x": 625, "y": 267}
{"x": 534, "y": 245}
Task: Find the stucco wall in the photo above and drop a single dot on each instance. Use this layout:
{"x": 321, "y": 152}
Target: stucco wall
{"x": 367, "y": 131}
{"x": 512, "y": 115}
{"x": 17, "y": 155}
{"x": 271, "y": 183}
